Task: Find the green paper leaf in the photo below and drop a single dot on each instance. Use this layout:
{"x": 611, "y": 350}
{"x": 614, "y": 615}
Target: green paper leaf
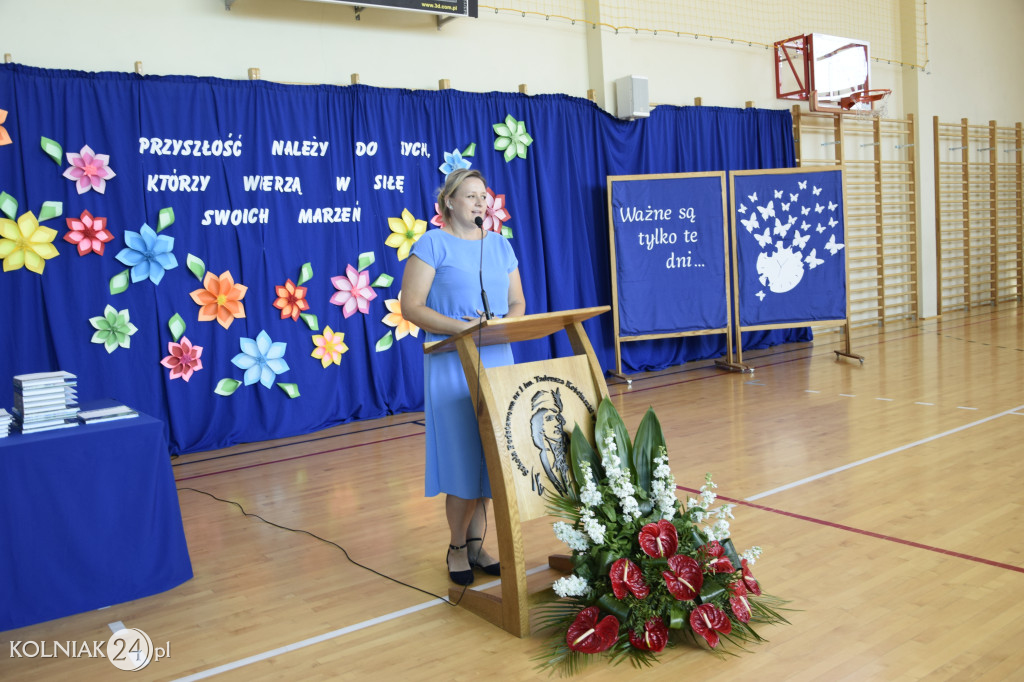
{"x": 510, "y": 153}
{"x": 310, "y": 320}
{"x": 470, "y": 150}
{"x": 50, "y": 209}
{"x": 52, "y": 149}
{"x": 502, "y": 143}
{"x": 165, "y": 220}
{"x": 520, "y": 150}
{"x": 502, "y": 130}
{"x": 226, "y": 387}
{"x": 291, "y": 389}
{"x": 9, "y": 205}
{"x": 196, "y": 266}
{"x": 511, "y": 122}
{"x": 506, "y": 232}
{"x": 177, "y": 326}
{"x": 119, "y": 282}
{"x": 385, "y": 342}
{"x": 385, "y": 280}
{"x": 366, "y": 260}
{"x": 306, "y": 273}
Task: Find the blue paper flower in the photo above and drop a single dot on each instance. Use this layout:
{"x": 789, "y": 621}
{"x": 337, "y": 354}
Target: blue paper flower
{"x": 453, "y": 161}
{"x": 261, "y": 359}
{"x": 147, "y": 254}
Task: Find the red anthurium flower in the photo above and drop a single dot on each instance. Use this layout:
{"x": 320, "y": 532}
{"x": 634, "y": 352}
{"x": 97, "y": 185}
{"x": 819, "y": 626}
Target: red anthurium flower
{"x": 738, "y": 601}
{"x": 707, "y": 621}
{"x": 685, "y": 579}
{"x": 654, "y": 637}
{"x": 659, "y": 540}
{"x": 626, "y": 575}
{"x": 714, "y": 557}
{"x": 748, "y": 580}
{"x": 588, "y": 636}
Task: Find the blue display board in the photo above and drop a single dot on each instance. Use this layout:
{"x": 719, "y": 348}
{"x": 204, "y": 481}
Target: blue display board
{"x": 790, "y": 246}
{"x": 670, "y": 253}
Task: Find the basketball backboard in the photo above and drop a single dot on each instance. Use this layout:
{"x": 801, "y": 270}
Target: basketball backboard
{"x": 829, "y": 72}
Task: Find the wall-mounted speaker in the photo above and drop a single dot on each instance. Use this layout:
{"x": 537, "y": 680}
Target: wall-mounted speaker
{"x": 632, "y": 100}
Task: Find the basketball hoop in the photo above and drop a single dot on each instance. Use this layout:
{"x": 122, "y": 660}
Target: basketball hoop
{"x": 866, "y": 103}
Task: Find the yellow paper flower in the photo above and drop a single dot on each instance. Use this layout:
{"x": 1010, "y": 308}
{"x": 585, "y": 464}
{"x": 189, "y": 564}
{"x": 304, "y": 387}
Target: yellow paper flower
{"x": 403, "y": 327}
{"x": 329, "y": 347}
{"x": 404, "y": 233}
{"x": 26, "y": 243}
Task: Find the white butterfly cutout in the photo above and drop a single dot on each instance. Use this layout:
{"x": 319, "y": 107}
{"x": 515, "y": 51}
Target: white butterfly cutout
{"x": 820, "y": 228}
{"x": 794, "y": 197}
{"x": 832, "y": 222}
{"x": 791, "y": 220}
{"x": 802, "y": 185}
{"x": 798, "y": 241}
{"x": 804, "y": 210}
{"x": 817, "y": 191}
{"x": 778, "y": 194}
{"x": 806, "y": 226}
{"x": 750, "y": 223}
{"x": 812, "y": 260}
{"x": 785, "y": 207}
{"x": 752, "y": 197}
{"x": 832, "y": 206}
{"x": 767, "y": 211}
{"x": 818, "y": 208}
{"x": 742, "y": 208}
{"x": 780, "y": 228}
{"x": 832, "y": 247}
{"x": 764, "y": 239}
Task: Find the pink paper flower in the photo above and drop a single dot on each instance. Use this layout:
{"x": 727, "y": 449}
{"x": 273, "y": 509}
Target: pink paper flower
{"x": 88, "y": 233}
{"x": 183, "y": 359}
{"x": 437, "y": 219}
{"x": 89, "y": 170}
{"x": 496, "y": 214}
{"x": 354, "y": 291}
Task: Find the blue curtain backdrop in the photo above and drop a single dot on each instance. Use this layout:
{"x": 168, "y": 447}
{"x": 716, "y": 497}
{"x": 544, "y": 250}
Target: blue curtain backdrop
{"x": 361, "y": 155}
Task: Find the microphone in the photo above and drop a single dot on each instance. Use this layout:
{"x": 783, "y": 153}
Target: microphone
{"x": 483, "y": 294}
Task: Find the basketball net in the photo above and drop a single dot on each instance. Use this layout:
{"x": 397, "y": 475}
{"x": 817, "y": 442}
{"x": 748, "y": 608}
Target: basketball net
{"x": 867, "y": 104}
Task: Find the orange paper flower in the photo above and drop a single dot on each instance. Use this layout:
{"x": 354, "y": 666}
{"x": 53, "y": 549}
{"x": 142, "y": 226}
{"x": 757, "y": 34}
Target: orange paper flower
{"x": 403, "y": 327}
{"x": 220, "y": 299}
{"x": 291, "y": 300}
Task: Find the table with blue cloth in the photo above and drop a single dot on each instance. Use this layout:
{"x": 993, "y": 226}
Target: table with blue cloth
{"x": 89, "y": 517}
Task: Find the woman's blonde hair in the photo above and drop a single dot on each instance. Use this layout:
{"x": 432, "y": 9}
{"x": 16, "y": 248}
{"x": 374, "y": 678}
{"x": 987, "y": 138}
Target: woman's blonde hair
{"x": 451, "y": 186}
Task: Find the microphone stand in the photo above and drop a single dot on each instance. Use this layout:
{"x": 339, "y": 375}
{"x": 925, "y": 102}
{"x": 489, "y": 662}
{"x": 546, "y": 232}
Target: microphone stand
{"x": 483, "y": 294}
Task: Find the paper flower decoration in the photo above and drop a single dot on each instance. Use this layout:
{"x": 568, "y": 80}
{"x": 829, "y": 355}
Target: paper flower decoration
{"x": 261, "y": 359}
{"x": 26, "y": 243}
{"x": 496, "y": 213}
{"x": 512, "y": 138}
{"x": 405, "y": 231}
{"x": 403, "y": 327}
{"x": 353, "y": 291}
{"x": 148, "y": 254}
{"x": 437, "y": 219}
{"x": 89, "y": 170}
{"x": 5, "y": 137}
{"x": 88, "y": 233}
{"x": 113, "y": 329}
{"x": 220, "y": 299}
{"x": 453, "y": 161}
{"x": 330, "y": 346}
{"x": 183, "y": 359}
{"x": 291, "y": 300}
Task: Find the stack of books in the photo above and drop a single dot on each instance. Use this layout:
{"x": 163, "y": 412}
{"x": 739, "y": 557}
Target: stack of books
{"x": 106, "y": 414}
{"x": 45, "y": 401}
{"x": 5, "y": 422}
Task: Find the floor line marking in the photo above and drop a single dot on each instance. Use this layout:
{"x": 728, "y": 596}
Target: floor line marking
{"x": 929, "y": 404}
{"x": 961, "y": 407}
{"x": 334, "y": 634}
{"x": 888, "y": 400}
{"x": 872, "y": 458}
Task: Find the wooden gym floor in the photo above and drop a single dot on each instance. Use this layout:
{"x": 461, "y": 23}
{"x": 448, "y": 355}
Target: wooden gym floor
{"x": 887, "y": 497}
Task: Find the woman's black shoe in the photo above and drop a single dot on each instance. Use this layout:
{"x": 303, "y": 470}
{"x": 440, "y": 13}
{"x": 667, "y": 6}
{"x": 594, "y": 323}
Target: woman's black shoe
{"x": 458, "y": 577}
{"x": 491, "y": 569}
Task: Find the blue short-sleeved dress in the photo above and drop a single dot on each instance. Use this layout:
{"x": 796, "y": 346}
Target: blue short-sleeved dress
{"x": 455, "y": 459}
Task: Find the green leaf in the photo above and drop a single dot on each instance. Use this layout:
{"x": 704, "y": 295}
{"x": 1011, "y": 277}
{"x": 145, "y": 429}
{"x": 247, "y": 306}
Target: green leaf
{"x": 648, "y": 443}
{"x": 506, "y": 232}
{"x": 52, "y": 149}
{"x": 610, "y": 604}
{"x": 580, "y": 452}
{"x": 502, "y": 130}
{"x": 385, "y": 280}
{"x": 502, "y": 143}
{"x": 165, "y": 220}
{"x": 196, "y": 266}
{"x": 9, "y": 205}
{"x": 226, "y": 387}
{"x": 50, "y": 209}
{"x": 119, "y": 282}
{"x": 470, "y": 150}
{"x": 366, "y": 260}
{"x": 311, "y": 321}
{"x": 510, "y": 153}
{"x": 177, "y": 326}
{"x": 385, "y": 342}
{"x": 291, "y": 389}
{"x": 305, "y": 273}
{"x": 730, "y": 553}
{"x": 511, "y": 122}
{"x": 609, "y": 424}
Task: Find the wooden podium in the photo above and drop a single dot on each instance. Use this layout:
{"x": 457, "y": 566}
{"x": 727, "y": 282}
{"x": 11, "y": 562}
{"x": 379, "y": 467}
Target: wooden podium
{"x": 526, "y": 412}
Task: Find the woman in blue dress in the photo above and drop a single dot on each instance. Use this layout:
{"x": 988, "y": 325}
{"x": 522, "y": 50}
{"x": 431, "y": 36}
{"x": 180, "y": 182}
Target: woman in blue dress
{"x": 441, "y": 295}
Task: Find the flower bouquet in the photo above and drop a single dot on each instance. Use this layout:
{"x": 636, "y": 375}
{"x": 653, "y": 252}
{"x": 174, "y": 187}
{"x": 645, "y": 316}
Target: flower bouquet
{"x": 646, "y": 571}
